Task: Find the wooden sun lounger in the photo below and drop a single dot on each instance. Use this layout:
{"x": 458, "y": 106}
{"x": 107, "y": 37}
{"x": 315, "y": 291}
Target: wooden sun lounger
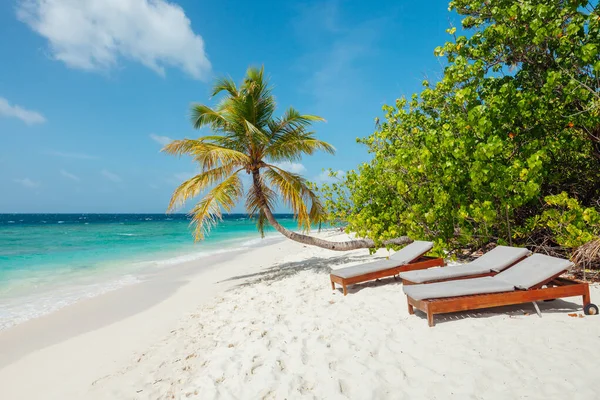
{"x": 421, "y": 262}
{"x": 556, "y": 287}
{"x": 407, "y": 282}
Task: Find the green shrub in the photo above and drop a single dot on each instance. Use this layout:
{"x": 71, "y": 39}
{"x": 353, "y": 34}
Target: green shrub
{"x": 513, "y": 121}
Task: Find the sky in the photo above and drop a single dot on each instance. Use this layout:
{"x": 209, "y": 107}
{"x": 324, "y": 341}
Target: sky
{"x": 90, "y": 90}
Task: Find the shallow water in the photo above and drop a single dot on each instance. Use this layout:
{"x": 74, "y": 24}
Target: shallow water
{"x": 48, "y": 261}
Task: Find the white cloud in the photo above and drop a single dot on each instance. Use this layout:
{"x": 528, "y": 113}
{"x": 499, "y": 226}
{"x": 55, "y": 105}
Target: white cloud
{"x": 324, "y": 177}
{"x": 15, "y": 111}
{"x": 27, "y": 183}
{"x": 162, "y": 140}
{"x": 94, "y": 34}
{"x": 111, "y": 176}
{"x": 292, "y": 167}
{"x": 80, "y": 156}
{"x": 69, "y": 175}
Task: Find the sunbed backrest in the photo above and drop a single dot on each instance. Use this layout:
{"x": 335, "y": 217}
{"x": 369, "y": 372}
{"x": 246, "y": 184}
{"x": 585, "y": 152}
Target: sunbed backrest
{"x": 411, "y": 251}
{"x": 534, "y": 270}
{"x": 500, "y": 258}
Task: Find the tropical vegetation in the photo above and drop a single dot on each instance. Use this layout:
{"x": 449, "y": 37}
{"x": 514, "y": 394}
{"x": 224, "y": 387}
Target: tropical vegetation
{"x": 504, "y": 148}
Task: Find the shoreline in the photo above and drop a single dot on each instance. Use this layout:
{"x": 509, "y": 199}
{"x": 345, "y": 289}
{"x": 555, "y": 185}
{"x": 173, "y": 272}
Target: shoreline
{"x": 17, "y": 341}
{"x": 155, "y": 284}
{"x": 101, "y": 278}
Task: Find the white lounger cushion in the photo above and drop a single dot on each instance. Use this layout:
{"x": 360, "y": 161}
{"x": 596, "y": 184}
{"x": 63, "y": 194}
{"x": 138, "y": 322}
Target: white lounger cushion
{"x": 411, "y": 252}
{"x": 434, "y": 274}
{"x": 530, "y": 272}
{"x": 495, "y": 260}
{"x": 401, "y": 257}
{"x": 462, "y": 287}
{"x": 365, "y": 268}
{"x": 501, "y": 257}
{"x": 534, "y": 270}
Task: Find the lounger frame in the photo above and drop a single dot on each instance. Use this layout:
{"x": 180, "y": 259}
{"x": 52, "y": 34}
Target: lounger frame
{"x": 556, "y": 288}
{"x": 407, "y": 282}
{"x": 421, "y": 262}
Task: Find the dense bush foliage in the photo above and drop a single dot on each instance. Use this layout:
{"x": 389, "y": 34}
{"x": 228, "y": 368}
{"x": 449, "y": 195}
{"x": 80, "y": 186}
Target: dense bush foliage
{"x": 505, "y": 147}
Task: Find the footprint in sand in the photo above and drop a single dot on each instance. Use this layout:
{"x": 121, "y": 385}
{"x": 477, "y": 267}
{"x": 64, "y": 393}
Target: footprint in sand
{"x": 342, "y": 386}
{"x": 281, "y": 365}
{"x": 255, "y": 367}
{"x": 303, "y": 353}
{"x": 333, "y": 366}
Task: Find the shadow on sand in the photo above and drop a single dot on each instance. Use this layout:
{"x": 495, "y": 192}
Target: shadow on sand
{"x": 320, "y": 265}
{"x": 557, "y": 306}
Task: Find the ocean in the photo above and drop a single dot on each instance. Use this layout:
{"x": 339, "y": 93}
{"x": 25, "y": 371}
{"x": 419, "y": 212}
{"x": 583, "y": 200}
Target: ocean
{"x": 48, "y": 261}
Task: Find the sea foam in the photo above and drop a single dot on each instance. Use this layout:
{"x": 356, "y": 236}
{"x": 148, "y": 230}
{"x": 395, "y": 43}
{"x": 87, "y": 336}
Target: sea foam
{"x": 19, "y": 309}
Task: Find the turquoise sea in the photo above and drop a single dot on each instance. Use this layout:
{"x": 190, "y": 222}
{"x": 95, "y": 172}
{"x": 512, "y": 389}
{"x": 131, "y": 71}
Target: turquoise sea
{"x": 48, "y": 261}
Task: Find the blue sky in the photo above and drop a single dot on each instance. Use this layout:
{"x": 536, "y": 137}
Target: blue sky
{"x": 90, "y": 89}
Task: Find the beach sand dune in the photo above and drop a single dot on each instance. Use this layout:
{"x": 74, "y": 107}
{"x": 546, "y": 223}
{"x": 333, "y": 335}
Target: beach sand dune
{"x": 278, "y": 331}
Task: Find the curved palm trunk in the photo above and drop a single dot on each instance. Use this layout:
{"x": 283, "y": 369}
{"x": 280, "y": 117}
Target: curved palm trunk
{"x": 313, "y": 241}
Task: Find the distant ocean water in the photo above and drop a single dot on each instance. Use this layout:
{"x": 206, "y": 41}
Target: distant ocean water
{"x": 48, "y": 261}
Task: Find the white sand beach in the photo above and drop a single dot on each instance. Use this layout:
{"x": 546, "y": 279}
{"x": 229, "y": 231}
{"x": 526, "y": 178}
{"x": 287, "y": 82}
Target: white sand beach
{"x": 265, "y": 324}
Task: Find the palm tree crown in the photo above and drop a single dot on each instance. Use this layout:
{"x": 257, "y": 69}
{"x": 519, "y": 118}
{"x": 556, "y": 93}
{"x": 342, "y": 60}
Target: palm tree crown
{"x": 248, "y": 138}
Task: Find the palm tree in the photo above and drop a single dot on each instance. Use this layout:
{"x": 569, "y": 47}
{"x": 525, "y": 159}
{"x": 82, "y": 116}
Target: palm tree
{"x": 247, "y": 138}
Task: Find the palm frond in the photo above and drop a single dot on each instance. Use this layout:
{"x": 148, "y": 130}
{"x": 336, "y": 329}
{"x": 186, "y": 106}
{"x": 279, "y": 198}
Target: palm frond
{"x": 257, "y": 104}
{"x": 203, "y": 115}
{"x": 215, "y": 155}
{"x": 209, "y": 155}
{"x": 292, "y": 120}
{"x": 255, "y": 199}
{"x": 261, "y": 223}
{"x": 254, "y": 75}
{"x": 197, "y": 184}
{"x": 208, "y": 212}
{"x": 225, "y": 84}
{"x": 227, "y": 140}
{"x": 293, "y": 144}
{"x": 287, "y": 181}
{"x": 257, "y": 136}
{"x": 317, "y": 213}
{"x": 292, "y": 188}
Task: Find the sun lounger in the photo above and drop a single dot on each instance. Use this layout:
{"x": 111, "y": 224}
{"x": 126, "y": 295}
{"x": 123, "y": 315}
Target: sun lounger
{"x": 534, "y": 279}
{"x": 409, "y": 258}
{"x": 492, "y": 262}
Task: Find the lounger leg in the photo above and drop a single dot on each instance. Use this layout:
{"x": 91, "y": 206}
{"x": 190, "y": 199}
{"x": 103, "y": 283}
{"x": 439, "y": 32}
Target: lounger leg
{"x": 332, "y": 285}
{"x": 345, "y": 289}
{"x": 586, "y": 296}
{"x": 537, "y": 309}
{"x": 411, "y": 309}
{"x": 430, "y": 318}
